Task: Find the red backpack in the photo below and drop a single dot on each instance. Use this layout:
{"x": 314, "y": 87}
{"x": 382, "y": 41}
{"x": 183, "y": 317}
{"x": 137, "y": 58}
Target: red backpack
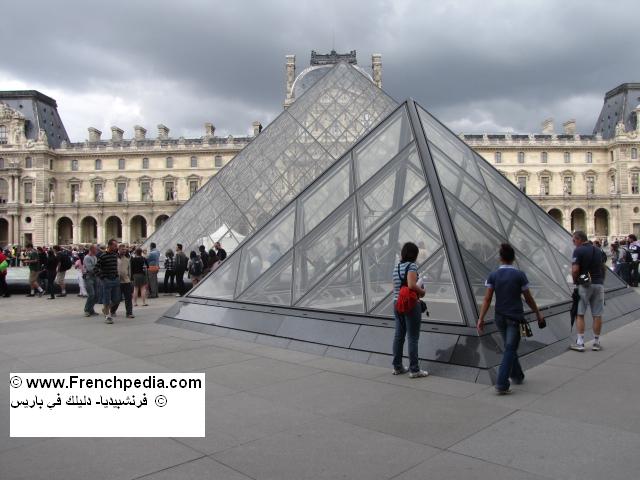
{"x": 407, "y": 298}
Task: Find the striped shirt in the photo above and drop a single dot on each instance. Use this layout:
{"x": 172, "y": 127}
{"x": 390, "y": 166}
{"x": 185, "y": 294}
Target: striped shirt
{"x": 107, "y": 265}
{"x": 397, "y": 280}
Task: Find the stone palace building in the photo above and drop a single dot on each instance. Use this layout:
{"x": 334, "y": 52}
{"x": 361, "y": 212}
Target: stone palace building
{"x": 53, "y": 190}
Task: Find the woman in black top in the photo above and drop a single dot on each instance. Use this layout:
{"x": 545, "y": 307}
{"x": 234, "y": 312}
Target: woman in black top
{"x": 138, "y": 266}
{"x": 51, "y": 267}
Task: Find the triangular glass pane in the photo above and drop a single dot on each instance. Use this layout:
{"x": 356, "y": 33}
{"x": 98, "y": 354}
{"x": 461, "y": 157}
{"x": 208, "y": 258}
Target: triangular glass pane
{"x": 382, "y": 145}
{"x": 340, "y": 291}
{"x": 324, "y": 197}
{"x": 477, "y": 275}
{"x": 274, "y": 287}
{"x": 441, "y": 297}
{"x": 557, "y": 236}
{"x": 415, "y": 223}
{"x": 468, "y": 190}
{"x": 266, "y": 248}
{"x": 448, "y": 143}
{"x": 544, "y": 292}
{"x": 324, "y": 248}
{"x": 221, "y": 283}
{"x": 385, "y": 307}
{"x": 392, "y": 188}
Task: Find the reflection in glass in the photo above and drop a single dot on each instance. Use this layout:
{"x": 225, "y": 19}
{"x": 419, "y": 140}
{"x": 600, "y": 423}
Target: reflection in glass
{"x": 221, "y": 283}
{"x": 274, "y": 287}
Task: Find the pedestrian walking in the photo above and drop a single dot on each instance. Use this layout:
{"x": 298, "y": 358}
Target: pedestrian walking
{"x": 52, "y": 271}
{"x": 107, "y": 266}
{"x": 126, "y": 288}
{"x": 153, "y": 262}
{"x": 169, "y": 272}
{"x": 138, "y": 269}
{"x": 32, "y": 259}
{"x": 80, "y": 272}
{"x": 510, "y": 285}
{"x": 4, "y": 266}
{"x": 90, "y": 281}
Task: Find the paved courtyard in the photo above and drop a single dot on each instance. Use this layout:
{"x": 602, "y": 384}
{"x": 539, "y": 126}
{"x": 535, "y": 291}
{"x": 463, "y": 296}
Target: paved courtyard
{"x": 281, "y": 414}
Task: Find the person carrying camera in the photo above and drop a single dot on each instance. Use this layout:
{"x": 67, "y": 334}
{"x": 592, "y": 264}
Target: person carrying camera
{"x": 587, "y": 269}
{"x": 509, "y": 285}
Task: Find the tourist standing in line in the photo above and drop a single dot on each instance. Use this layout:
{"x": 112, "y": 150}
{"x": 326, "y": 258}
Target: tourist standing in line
{"x": 64, "y": 264}
{"x": 221, "y": 252}
{"x": 107, "y": 266}
{"x": 138, "y": 267}
{"x": 204, "y": 256}
{"x": 587, "y": 270}
{"x": 33, "y": 260}
{"x": 509, "y": 285}
{"x": 169, "y": 272}
{"x": 90, "y": 281}
{"x": 153, "y": 262}
{"x": 80, "y": 272}
{"x": 195, "y": 268}
{"x": 408, "y": 323}
{"x": 52, "y": 270}
{"x": 180, "y": 262}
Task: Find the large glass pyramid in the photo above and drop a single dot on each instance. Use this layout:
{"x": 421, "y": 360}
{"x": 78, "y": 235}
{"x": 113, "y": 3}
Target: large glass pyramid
{"x": 299, "y": 145}
{"x": 333, "y": 248}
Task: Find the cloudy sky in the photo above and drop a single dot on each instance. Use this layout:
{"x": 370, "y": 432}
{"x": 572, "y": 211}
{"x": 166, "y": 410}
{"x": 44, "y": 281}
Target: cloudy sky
{"x": 481, "y": 66}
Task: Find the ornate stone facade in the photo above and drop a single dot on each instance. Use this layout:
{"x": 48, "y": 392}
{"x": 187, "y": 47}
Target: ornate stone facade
{"x": 94, "y": 190}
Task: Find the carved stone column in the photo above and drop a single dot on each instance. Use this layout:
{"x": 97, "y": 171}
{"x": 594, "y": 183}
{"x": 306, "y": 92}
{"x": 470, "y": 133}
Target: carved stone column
{"x": 75, "y": 235}
{"x": 100, "y": 230}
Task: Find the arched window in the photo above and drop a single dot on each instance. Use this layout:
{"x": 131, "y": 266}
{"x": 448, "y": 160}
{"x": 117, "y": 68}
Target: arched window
{"x": 589, "y": 157}
{"x": 520, "y": 157}
{"x": 74, "y": 165}
{"x": 98, "y": 164}
{"x": 121, "y": 164}
{"x": 634, "y": 153}
{"x": 4, "y": 134}
{"x": 145, "y": 163}
{"x": 498, "y": 157}
{"x": 28, "y": 162}
{"x": 217, "y": 161}
{"x": 567, "y": 157}
{"x": 194, "y": 162}
{"x": 544, "y": 157}
{"x": 169, "y": 162}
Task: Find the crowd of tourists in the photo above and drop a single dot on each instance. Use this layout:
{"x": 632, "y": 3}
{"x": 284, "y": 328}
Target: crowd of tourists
{"x": 110, "y": 274}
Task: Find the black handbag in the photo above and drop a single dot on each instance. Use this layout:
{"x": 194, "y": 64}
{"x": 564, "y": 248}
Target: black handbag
{"x": 423, "y": 307}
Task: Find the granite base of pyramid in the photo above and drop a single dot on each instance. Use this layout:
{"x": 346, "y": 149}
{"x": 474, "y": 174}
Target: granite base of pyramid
{"x": 450, "y": 351}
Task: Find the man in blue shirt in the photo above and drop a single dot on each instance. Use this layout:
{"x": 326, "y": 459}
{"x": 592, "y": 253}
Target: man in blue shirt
{"x": 509, "y": 284}
{"x": 153, "y": 260}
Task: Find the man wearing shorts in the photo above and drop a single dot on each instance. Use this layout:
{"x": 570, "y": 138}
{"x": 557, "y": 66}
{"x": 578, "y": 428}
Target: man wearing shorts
{"x": 587, "y": 270}
{"x": 33, "y": 260}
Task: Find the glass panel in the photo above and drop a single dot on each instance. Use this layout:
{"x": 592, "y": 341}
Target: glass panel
{"x": 544, "y": 292}
{"x": 317, "y": 254}
{"x": 385, "y": 307}
{"x": 324, "y": 197}
{"x": 463, "y": 187}
{"x": 477, "y": 275}
{"x": 274, "y": 287}
{"x": 557, "y": 236}
{"x": 382, "y": 145}
{"x": 266, "y": 248}
{"x": 341, "y": 291}
{"x": 221, "y": 283}
{"x": 447, "y": 142}
{"x": 387, "y": 193}
{"x": 416, "y": 223}
{"x": 441, "y": 297}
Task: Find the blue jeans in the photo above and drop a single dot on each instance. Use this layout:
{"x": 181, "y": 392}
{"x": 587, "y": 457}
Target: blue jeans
{"x": 510, "y": 367}
{"x": 91, "y": 284}
{"x": 110, "y": 291}
{"x": 407, "y": 324}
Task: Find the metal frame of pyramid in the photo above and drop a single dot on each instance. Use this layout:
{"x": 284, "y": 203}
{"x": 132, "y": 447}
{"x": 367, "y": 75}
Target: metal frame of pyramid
{"x": 292, "y": 283}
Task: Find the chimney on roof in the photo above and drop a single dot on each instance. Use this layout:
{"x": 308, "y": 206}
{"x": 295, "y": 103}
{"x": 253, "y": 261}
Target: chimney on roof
{"x": 376, "y": 68}
{"x": 163, "y": 132}
{"x": 94, "y": 134}
{"x": 547, "y": 126}
{"x": 569, "y": 127}
{"x": 257, "y": 128}
{"x": 209, "y": 130}
{"x": 116, "y": 134}
{"x": 140, "y": 132}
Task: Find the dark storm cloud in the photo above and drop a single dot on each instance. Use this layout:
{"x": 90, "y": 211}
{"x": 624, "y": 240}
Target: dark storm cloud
{"x": 480, "y": 66}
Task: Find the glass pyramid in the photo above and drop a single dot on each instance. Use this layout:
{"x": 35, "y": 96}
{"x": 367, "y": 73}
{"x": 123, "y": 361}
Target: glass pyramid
{"x": 298, "y": 146}
{"x": 333, "y": 248}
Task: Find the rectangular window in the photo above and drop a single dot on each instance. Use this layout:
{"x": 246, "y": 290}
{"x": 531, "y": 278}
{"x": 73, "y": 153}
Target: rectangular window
{"x": 567, "y": 157}
{"x": 567, "y": 186}
{"x": 498, "y": 157}
{"x": 74, "y": 165}
{"x": 634, "y": 153}
{"x": 591, "y": 185}
{"x": 145, "y": 189}
{"x": 543, "y": 157}
{"x": 28, "y": 192}
{"x": 218, "y": 161}
{"x": 75, "y": 192}
{"x": 589, "y": 157}
{"x": 145, "y": 163}
{"x": 634, "y": 183}
{"x": 194, "y": 162}
{"x": 4, "y": 135}
{"x": 522, "y": 184}
{"x": 28, "y": 162}
{"x": 97, "y": 192}
{"x": 193, "y": 188}
{"x": 168, "y": 191}
{"x": 520, "y": 157}
{"x": 121, "y": 189}
{"x": 544, "y": 186}
{"x": 121, "y": 164}
{"x": 169, "y": 162}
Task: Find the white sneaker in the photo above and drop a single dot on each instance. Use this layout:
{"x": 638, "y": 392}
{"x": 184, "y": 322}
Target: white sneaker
{"x": 596, "y": 347}
{"x": 419, "y": 374}
{"x": 577, "y": 347}
{"x": 108, "y": 320}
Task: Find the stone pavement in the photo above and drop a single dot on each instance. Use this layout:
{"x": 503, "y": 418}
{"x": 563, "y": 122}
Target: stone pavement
{"x": 281, "y": 414}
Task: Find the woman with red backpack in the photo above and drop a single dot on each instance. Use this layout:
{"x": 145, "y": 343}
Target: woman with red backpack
{"x": 407, "y": 289}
